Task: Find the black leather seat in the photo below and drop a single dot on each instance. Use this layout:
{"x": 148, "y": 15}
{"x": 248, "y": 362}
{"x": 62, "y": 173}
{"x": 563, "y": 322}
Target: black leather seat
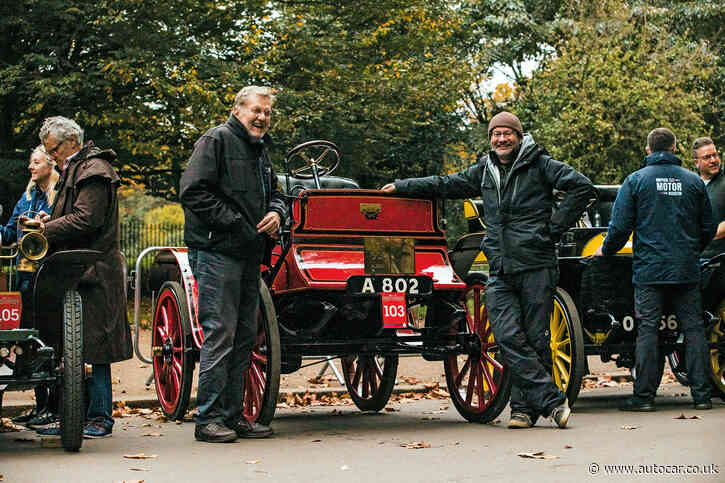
{"x": 326, "y": 182}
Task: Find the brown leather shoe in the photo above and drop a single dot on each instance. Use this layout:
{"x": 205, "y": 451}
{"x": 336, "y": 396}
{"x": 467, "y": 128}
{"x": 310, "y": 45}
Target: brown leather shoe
{"x": 245, "y": 429}
{"x": 214, "y": 433}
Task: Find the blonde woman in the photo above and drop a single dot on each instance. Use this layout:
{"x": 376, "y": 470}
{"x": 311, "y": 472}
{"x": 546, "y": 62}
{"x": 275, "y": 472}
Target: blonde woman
{"x": 38, "y": 197}
{"x": 39, "y": 194}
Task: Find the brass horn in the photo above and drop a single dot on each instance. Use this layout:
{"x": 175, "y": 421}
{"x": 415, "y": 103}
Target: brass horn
{"x": 33, "y": 245}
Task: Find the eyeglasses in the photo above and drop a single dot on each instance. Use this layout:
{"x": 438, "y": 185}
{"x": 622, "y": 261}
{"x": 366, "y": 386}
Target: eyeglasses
{"x": 708, "y": 157}
{"x": 51, "y": 152}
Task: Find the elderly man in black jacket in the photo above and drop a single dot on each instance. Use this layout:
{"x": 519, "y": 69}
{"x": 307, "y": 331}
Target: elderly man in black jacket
{"x": 231, "y": 203}
{"x": 515, "y": 181}
{"x": 667, "y": 208}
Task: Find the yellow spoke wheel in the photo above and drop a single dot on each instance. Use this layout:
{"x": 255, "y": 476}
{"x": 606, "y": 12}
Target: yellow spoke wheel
{"x": 716, "y": 335}
{"x": 567, "y": 345}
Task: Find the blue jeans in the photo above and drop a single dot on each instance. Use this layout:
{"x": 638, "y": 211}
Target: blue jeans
{"x": 100, "y": 396}
{"x": 228, "y": 302}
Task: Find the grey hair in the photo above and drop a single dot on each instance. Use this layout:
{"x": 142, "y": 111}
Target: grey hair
{"x": 700, "y": 142}
{"x": 249, "y": 91}
{"x": 62, "y": 129}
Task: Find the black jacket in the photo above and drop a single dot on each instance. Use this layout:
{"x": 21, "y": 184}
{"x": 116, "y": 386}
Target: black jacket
{"x": 716, "y": 192}
{"x": 522, "y": 227}
{"x": 227, "y": 188}
{"x": 667, "y": 208}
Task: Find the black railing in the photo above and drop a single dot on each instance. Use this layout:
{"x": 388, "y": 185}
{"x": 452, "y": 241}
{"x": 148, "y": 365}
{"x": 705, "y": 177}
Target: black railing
{"x": 136, "y": 237}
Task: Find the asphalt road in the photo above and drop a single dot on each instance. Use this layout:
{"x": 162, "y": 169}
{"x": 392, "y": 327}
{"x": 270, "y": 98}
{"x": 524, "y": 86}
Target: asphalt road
{"x": 340, "y": 444}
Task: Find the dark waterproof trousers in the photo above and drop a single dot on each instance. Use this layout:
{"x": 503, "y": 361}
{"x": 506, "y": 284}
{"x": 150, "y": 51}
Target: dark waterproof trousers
{"x": 228, "y": 301}
{"x": 519, "y": 307}
{"x": 686, "y": 301}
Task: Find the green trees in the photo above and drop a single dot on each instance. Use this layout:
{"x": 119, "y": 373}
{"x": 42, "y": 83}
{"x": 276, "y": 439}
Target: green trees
{"x": 399, "y": 85}
{"x": 614, "y": 78}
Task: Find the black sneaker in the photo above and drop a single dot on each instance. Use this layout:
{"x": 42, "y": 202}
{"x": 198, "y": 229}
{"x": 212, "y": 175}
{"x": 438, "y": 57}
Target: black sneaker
{"x": 245, "y": 429}
{"x": 214, "y": 433}
{"x": 703, "y": 405}
{"x": 26, "y": 416}
{"x": 640, "y": 407}
{"x": 44, "y": 420}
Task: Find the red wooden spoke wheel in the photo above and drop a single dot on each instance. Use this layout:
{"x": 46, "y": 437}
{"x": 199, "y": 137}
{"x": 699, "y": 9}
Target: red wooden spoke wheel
{"x": 261, "y": 381}
{"x": 173, "y": 364}
{"x": 479, "y": 383}
{"x": 370, "y": 379}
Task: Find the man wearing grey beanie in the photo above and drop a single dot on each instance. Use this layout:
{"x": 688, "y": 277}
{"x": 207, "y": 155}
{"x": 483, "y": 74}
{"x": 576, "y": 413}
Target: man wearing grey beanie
{"x": 515, "y": 181}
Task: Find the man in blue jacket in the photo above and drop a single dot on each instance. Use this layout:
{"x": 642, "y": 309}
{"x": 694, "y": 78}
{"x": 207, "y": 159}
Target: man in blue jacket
{"x": 667, "y": 208}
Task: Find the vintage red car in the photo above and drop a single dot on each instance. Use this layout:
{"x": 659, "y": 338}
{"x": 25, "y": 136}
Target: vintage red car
{"x": 359, "y": 275}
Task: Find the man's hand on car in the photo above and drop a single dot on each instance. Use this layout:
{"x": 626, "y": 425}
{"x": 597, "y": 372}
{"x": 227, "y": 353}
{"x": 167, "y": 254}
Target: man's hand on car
{"x": 388, "y": 188}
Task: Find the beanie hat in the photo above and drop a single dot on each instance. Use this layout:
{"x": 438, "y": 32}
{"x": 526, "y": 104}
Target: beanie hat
{"x": 505, "y": 119}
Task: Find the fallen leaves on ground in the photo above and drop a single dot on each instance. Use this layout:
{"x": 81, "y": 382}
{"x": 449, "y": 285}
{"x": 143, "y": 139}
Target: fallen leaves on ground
{"x": 568, "y": 446}
{"x": 539, "y": 455}
{"x": 121, "y": 410}
{"x": 682, "y": 416}
{"x": 153, "y": 435}
{"x": 415, "y": 445}
{"x": 139, "y": 469}
{"x": 253, "y": 462}
{"x": 629, "y": 427}
{"x": 391, "y": 409}
{"x": 8, "y": 426}
{"x": 411, "y": 380}
{"x": 604, "y": 380}
{"x": 140, "y": 456}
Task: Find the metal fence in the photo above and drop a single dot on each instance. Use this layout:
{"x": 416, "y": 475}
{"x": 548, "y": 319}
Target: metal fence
{"x": 136, "y": 236}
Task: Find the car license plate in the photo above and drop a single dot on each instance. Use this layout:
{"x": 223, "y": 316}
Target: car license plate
{"x": 394, "y": 310}
{"x": 412, "y": 285}
{"x": 11, "y": 306}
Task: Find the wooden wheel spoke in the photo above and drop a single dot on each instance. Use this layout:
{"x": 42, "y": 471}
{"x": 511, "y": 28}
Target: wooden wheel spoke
{"x": 562, "y": 356}
{"x": 358, "y": 375}
{"x": 562, "y": 343}
{"x": 259, "y": 378}
{"x": 462, "y": 374}
{"x": 259, "y": 358}
{"x": 563, "y": 372}
{"x": 496, "y": 364}
{"x": 489, "y": 377}
{"x": 471, "y": 383}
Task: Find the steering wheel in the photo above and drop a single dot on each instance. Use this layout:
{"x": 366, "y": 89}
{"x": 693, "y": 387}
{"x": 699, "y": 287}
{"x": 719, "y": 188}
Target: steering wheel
{"x": 312, "y": 159}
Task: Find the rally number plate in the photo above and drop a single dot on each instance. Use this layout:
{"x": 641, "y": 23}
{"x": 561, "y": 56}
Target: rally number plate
{"x": 394, "y": 310}
{"x": 411, "y": 285}
{"x": 11, "y": 307}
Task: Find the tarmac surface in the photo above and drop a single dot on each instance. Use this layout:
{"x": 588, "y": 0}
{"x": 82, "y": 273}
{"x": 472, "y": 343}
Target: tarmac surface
{"x": 411, "y": 440}
{"x": 414, "y": 374}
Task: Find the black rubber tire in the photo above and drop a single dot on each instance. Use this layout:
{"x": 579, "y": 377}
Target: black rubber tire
{"x": 72, "y": 417}
{"x": 384, "y": 379}
{"x": 172, "y": 298}
{"x": 573, "y": 350}
{"x": 268, "y": 345}
{"x": 490, "y": 360}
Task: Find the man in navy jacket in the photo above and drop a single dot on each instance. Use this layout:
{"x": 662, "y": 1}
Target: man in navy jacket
{"x": 667, "y": 208}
